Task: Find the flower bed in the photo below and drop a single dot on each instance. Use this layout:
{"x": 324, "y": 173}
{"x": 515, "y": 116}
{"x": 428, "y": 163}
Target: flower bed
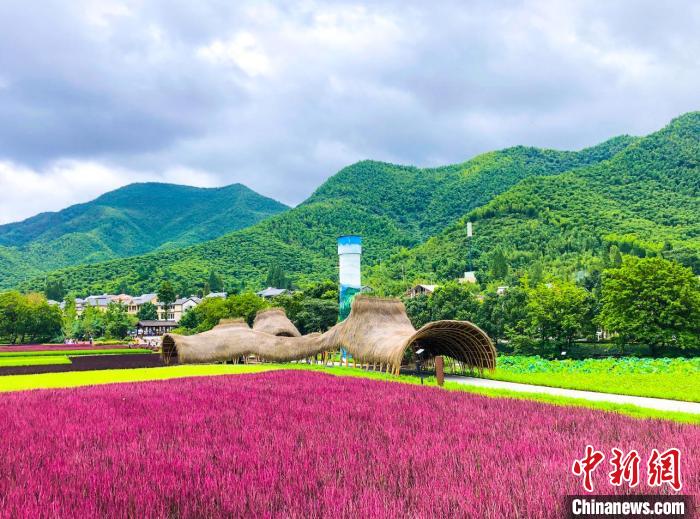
{"x": 301, "y": 444}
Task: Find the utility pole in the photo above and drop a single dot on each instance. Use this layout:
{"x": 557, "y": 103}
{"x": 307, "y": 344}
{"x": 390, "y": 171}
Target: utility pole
{"x": 469, "y": 245}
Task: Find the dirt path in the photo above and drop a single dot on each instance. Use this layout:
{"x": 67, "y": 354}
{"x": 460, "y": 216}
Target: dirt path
{"x": 660, "y": 404}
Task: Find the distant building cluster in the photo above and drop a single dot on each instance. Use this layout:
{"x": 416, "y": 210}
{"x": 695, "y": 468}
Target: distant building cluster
{"x": 133, "y": 304}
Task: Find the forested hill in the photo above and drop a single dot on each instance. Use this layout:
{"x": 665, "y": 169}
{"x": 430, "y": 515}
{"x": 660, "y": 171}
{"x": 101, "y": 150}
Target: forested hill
{"x": 644, "y": 201}
{"x": 392, "y": 207}
{"x": 132, "y": 220}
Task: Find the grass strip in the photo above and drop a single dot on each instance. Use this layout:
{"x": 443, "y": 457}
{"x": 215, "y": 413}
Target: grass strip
{"x": 110, "y": 376}
{"x": 11, "y": 362}
{"x": 73, "y": 353}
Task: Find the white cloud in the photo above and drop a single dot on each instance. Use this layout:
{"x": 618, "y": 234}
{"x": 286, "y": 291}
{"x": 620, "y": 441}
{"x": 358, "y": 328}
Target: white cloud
{"x": 242, "y": 50}
{"x": 280, "y": 95}
{"x": 26, "y": 192}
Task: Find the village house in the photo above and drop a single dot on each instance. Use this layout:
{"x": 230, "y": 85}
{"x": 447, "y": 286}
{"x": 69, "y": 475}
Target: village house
{"x": 420, "y": 290}
{"x": 177, "y": 309}
{"x": 271, "y": 292}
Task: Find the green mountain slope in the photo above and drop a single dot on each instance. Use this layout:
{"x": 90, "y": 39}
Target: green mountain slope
{"x": 392, "y": 207}
{"x": 133, "y": 220}
{"x": 645, "y": 200}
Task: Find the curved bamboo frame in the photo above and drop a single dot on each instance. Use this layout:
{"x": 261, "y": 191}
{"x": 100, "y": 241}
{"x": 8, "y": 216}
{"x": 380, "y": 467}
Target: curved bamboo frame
{"x": 377, "y": 331}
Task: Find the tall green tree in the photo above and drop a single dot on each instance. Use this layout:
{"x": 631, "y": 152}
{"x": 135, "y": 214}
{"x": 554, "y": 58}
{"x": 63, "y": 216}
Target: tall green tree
{"x": 70, "y": 316}
{"x": 54, "y": 289}
{"x": 166, "y": 297}
{"x": 147, "y": 312}
{"x": 559, "y": 311}
{"x": 498, "y": 267}
{"x": 418, "y": 310}
{"x": 91, "y": 323}
{"x": 652, "y": 301}
{"x": 454, "y": 301}
{"x": 277, "y": 278}
{"x": 216, "y": 282}
{"x": 504, "y": 316}
{"x": 118, "y": 322}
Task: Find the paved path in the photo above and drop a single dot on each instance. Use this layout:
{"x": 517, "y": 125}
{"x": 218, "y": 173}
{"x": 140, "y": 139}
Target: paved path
{"x": 661, "y": 404}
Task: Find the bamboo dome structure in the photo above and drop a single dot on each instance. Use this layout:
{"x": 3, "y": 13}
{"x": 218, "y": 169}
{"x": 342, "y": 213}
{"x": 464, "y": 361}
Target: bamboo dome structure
{"x": 275, "y": 322}
{"x": 377, "y": 331}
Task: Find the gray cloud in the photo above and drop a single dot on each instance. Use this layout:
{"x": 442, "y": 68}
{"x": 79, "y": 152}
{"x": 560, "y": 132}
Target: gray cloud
{"x": 279, "y": 96}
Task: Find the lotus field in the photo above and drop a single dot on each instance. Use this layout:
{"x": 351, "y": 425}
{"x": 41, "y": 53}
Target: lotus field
{"x": 304, "y": 444}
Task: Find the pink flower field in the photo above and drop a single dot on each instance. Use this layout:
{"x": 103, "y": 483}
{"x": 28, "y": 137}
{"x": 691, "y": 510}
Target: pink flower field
{"x": 302, "y": 444}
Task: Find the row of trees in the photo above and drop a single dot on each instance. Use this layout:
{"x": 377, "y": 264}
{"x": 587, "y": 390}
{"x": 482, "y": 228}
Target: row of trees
{"x": 313, "y": 309}
{"x": 115, "y": 323}
{"x": 651, "y": 302}
{"x": 31, "y": 319}
{"x": 28, "y": 318}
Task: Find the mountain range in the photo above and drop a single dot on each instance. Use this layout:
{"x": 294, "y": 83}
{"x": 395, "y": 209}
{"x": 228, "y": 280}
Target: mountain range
{"x": 562, "y": 210}
{"x": 132, "y": 220}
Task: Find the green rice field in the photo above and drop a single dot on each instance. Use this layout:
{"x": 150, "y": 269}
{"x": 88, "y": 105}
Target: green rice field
{"x": 676, "y": 379}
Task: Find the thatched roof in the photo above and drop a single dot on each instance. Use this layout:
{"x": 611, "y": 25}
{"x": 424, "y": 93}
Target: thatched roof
{"x": 275, "y": 322}
{"x": 237, "y": 322}
{"x": 376, "y": 331}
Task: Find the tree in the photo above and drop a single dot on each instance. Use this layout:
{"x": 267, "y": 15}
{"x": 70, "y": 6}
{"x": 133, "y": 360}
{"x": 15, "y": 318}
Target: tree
{"x": 91, "y": 323}
{"x": 652, "y": 301}
{"x": 418, "y": 310}
{"x": 166, "y": 297}
{"x": 559, "y": 311}
{"x": 117, "y": 321}
{"x": 122, "y": 287}
{"x": 454, "y": 301}
{"x": 498, "y": 265}
{"x": 277, "y": 278}
{"x": 148, "y": 312}
{"x": 70, "y": 316}
{"x": 28, "y": 318}
{"x": 316, "y": 315}
{"x": 504, "y": 316}
{"x": 245, "y": 305}
{"x": 54, "y": 289}
{"x": 190, "y": 320}
{"x": 216, "y": 283}
{"x": 13, "y": 313}
{"x": 614, "y": 256}
{"x": 324, "y": 290}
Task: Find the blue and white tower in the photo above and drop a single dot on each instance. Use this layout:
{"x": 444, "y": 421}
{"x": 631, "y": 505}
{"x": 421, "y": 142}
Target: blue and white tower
{"x": 350, "y": 256}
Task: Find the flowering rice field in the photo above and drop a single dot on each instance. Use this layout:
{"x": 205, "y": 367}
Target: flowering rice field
{"x": 303, "y": 444}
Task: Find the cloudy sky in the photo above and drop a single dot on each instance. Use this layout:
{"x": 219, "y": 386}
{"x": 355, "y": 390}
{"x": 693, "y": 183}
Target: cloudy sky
{"x": 95, "y": 94}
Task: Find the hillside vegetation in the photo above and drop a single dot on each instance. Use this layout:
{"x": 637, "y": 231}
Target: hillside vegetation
{"x": 392, "y": 207}
{"x": 133, "y": 220}
{"x": 644, "y": 201}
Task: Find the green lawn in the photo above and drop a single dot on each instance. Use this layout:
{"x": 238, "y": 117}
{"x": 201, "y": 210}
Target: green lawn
{"x": 85, "y": 378}
{"x": 73, "y": 353}
{"x": 677, "y": 379}
{"x": 6, "y": 362}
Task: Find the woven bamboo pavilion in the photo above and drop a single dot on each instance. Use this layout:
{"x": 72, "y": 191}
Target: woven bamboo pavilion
{"x": 377, "y": 333}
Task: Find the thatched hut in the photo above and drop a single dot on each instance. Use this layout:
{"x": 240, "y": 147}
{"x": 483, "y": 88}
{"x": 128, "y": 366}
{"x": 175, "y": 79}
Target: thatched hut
{"x": 377, "y": 331}
{"x": 275, "y": 322}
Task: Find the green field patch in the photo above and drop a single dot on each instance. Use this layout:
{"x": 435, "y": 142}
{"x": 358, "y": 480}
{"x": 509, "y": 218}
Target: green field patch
{"x": 74, "y": 353}
{"x": 47, "y": 360}
{"x": 676, "y": 379}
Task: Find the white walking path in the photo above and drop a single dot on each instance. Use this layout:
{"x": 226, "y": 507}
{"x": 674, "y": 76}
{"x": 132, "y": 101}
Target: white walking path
{"x": 661, "y": 404}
